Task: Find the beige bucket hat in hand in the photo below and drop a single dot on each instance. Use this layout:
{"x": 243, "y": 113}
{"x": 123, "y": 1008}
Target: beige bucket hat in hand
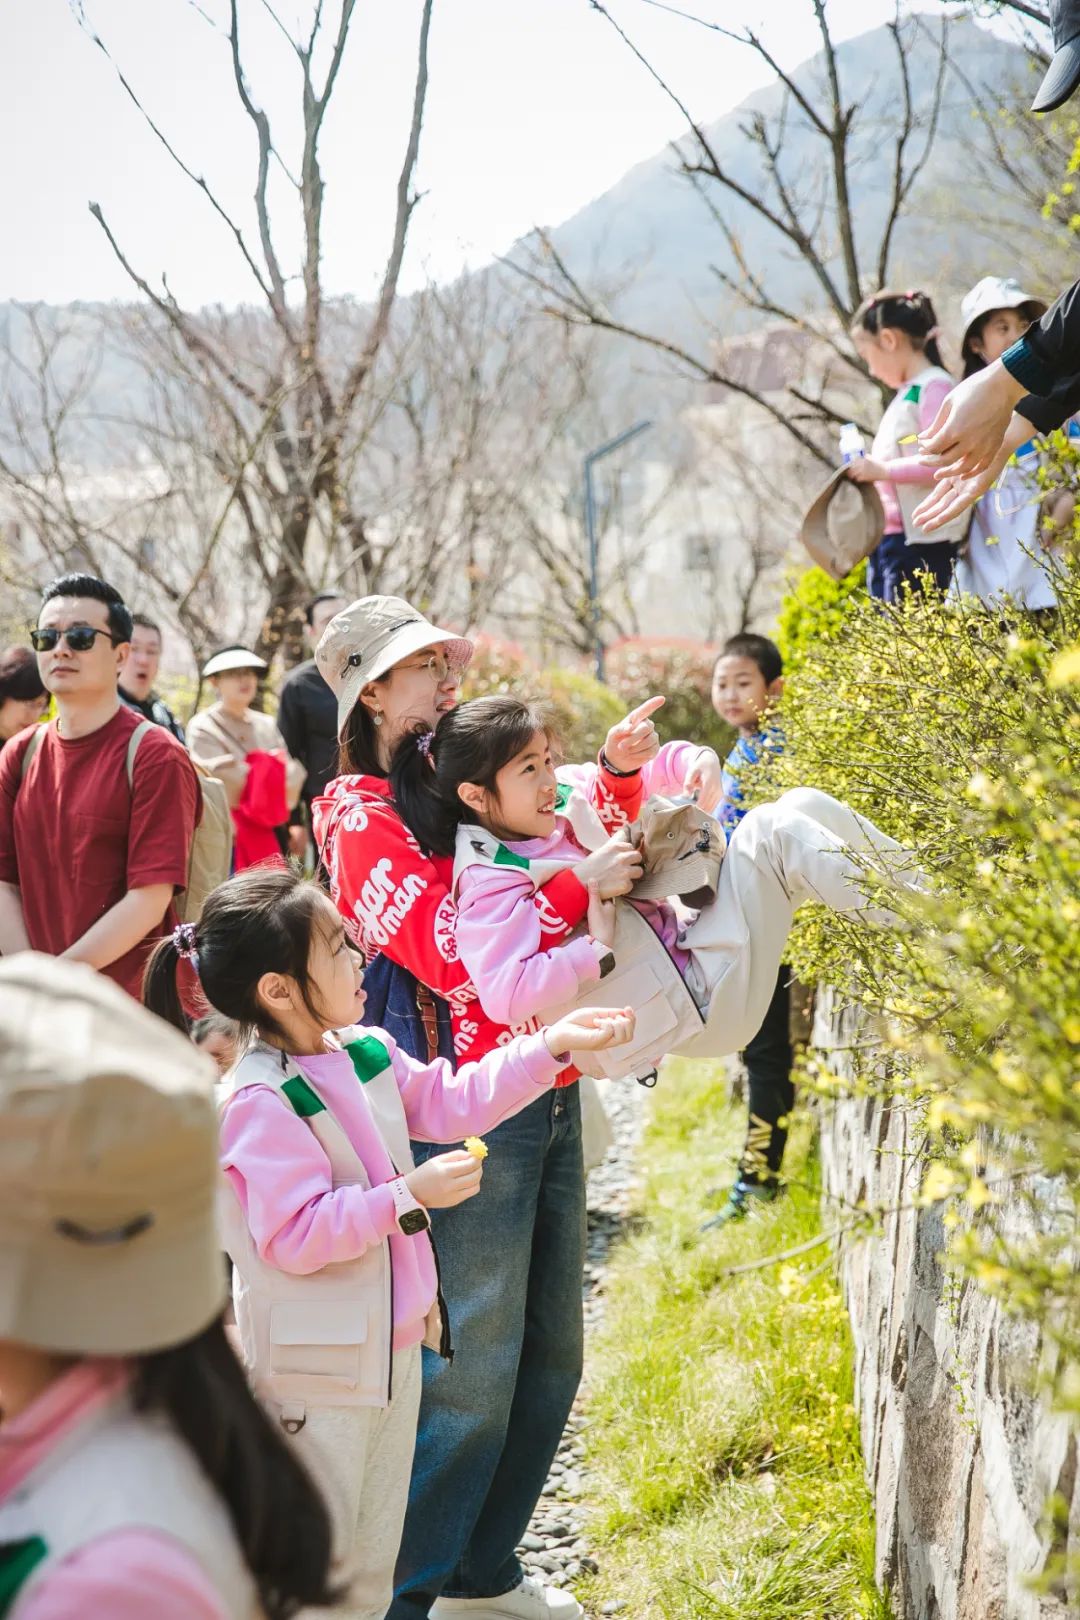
{"x": 844, "y": 524}
{"x": 682, "y": 850}
{"x": 369, "y": 637}
{"x": 108, "y": 1168}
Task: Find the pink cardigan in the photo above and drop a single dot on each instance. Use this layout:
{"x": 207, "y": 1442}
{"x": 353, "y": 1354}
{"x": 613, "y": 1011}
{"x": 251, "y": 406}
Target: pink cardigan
{"x": 282, "y": 1177}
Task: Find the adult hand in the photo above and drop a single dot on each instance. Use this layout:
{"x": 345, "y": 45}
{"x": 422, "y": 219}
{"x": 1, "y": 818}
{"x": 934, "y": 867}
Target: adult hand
{"x": 705, "y": 778}
{"x": 967, "y": 433}
{"x": 633, "y": 742}
{"x": 951, "y": 496}
{"x": 600, "y": 918}
{"x": 591, "y": 1029}
{"x": 446, "y": 1180}
{"x": 615, "y": 867}
{"x": 865, "y": 470}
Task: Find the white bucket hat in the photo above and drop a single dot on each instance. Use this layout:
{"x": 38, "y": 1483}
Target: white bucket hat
{"x": 993, "y": 292}
{"x": 369, "y": 638}
{"x": 108, "y": 1168}
{"x": 234, "y": 658}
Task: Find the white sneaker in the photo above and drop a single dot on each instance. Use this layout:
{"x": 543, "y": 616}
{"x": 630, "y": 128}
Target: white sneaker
{"x": 529, "y": 1601}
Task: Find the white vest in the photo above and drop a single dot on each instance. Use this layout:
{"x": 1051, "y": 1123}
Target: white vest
{"x": 898, "y": 436}
{"x": 644, "y": 976}
{"x": 122, "y": 1470}
{"x": 326, "y": 1338}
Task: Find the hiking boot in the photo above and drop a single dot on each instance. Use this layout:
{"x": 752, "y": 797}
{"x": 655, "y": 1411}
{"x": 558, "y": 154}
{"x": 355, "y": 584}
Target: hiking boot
{"x": 529, "y": 1601}
{"x": 741, "y": 1199}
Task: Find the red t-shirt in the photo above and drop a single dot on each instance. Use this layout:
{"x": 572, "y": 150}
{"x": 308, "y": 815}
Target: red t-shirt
{"x": 75, "y": 838}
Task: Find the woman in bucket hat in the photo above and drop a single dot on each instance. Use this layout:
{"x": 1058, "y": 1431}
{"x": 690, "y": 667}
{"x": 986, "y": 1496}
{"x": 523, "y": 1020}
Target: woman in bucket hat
{"x": 1005, "y": 555}
{"x": 138, "y": 1474}
{"x": 512, "y": 1258}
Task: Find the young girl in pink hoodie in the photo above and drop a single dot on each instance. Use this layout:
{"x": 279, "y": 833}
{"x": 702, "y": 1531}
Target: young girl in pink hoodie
{"x": 335, "y": 1274}
{"x": 483, "y": 785}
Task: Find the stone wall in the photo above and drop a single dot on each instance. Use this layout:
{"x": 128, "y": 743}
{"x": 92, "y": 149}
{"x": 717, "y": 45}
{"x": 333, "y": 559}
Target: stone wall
{"x": 960, "y": 1455}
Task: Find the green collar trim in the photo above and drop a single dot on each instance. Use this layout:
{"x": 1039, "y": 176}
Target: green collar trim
{"x": 369, "y": 1057}
{"x": 913, "y": 394}
{"x": 18, "y": 1560}
{"x": 506, "y": 857}
{"x": 304, "y": 1100}
{"x": 562, "y": 795}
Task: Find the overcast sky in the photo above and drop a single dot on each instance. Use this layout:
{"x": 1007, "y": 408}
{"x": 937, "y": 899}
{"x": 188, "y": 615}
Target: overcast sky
{"x": 535, "y": 107}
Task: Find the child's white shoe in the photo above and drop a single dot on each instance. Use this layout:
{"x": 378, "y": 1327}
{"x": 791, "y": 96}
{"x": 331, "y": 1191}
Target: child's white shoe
{"x": 529, "y": 1601}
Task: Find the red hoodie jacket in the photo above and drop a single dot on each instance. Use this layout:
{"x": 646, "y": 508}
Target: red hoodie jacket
{"x": 396, "y": 899}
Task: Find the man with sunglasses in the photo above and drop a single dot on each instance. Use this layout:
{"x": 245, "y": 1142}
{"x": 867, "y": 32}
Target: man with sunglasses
{"x": 95, "y": 833}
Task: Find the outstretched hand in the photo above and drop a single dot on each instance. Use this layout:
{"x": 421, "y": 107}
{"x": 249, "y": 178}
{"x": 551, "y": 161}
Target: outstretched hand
{"x": 966, "y": 435}
{"x": 951, "y": 496}
{"x": 705, "y": 778}
{"x": 633, "y": 741}
{"x": 591, "y": 1029}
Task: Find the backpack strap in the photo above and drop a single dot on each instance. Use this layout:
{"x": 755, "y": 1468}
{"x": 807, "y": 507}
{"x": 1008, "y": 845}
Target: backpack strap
{"x": 133, "y": 748}
{"x": 28, "y": 753}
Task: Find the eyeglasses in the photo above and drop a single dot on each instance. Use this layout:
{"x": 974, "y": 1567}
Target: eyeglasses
{"x": 438, "y": 666}
{"x": 79, "y": 637}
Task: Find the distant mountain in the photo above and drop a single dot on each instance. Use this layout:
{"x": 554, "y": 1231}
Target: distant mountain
{"x": 654, "y": 227}
{"x": 652, "y": 236}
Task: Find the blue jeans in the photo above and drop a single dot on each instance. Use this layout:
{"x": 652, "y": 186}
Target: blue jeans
{"x": 511, "y": 1261}
{"x": 895, "y": 561}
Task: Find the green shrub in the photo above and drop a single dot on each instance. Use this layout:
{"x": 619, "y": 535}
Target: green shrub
{"x": 958, "y": 731}
{"x": 813, "y": 612}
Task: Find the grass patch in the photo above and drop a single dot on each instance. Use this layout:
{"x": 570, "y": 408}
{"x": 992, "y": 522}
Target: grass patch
{"x": 723, "y": 1442}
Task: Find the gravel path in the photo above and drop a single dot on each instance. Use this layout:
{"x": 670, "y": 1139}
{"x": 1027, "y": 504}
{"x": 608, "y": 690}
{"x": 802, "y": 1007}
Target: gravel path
{"x": 556, "y": 1547}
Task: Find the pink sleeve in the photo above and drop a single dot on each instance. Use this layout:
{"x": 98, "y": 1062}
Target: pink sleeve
{"x": 130, "y": 1575}
{"x": 500, "y": 941}
{"x": 442, "y": 1105}
{"x": 282, "y": 1177}
{"x": 668, "y": 771}
{"x": 911, "y": 469}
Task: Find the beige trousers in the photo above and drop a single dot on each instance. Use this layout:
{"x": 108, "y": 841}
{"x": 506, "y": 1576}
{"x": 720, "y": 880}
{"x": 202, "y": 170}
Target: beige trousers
{"x": 805, "y": 846}
{"x": 361, "y": 1458}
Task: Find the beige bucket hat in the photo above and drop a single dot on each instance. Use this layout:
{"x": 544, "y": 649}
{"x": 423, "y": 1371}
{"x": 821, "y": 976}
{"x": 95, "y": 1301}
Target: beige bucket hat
{"x": 108, "y": 1168}
{"x": 844, "y": 524}
{"x": 682, "y": 850}
{"x": 369, "y": 637}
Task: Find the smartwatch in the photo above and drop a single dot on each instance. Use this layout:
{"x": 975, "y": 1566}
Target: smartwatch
{"x": 607, "y": 963}
{"x": 412, "y": 1217}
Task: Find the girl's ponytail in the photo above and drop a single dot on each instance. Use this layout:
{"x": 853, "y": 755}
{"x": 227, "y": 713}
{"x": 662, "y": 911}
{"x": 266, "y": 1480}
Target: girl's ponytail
{"x": 909, "y": 312}
{"x": 160, "y": 990}
{"x": 430, "y": 816}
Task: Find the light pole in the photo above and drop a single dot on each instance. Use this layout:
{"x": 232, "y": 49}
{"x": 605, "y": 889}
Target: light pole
{"x": 590, "y": 529}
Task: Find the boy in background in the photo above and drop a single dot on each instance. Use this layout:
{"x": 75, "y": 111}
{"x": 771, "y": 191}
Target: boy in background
{"x": 747, "y": 685}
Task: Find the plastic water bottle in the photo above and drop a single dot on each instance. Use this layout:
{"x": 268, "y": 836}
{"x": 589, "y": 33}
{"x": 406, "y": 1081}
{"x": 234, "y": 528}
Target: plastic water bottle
{"x": 852, "y": 444}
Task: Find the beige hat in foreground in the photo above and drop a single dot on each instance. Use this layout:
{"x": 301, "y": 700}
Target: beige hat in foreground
{"x": 844, "y": 524}
{"x": 682, "y": 849}
{"x": 108, "y": 1168}
{"x": 369, "y": 637}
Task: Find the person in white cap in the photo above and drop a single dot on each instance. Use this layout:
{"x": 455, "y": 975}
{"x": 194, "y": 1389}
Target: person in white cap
{"x": 234, "y": 742}
{"x": 139, "y": 1477}
{"x": 1005, "y": 556}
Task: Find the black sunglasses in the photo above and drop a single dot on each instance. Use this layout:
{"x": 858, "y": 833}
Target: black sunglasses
{"x": 79, "y": 637}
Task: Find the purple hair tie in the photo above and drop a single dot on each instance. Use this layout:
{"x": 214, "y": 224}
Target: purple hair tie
{"x": 424, "y": 742}
{"x": 184, "y": 938}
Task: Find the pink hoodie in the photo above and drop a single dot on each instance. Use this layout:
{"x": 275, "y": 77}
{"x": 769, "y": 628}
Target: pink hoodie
{"x": 499, "y": 934}
{"x": 300, "y": 1222}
